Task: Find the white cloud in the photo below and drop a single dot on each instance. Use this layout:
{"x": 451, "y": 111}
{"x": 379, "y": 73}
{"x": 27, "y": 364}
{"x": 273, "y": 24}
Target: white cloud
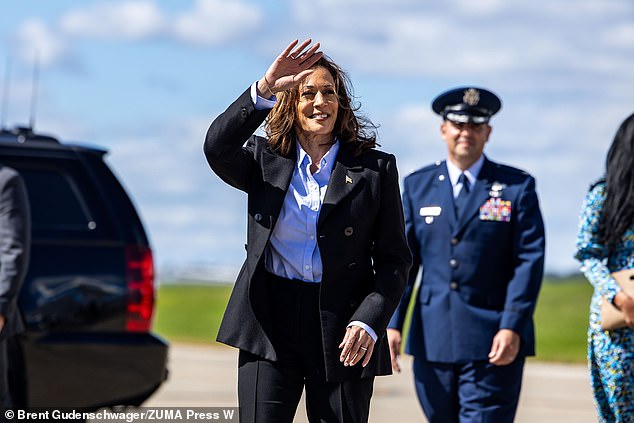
{"x": 122, "y": 20}
{"x": 36, "y": 41}
{"x": 621, "y": 35}
{"x": 483, "y": 38}
{"x": 208, "y": 23}
{"x": 212, "y": 22}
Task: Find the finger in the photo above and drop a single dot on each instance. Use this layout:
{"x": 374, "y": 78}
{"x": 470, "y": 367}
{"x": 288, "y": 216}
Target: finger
{"x": 288, "y": 49}
{"x": 354, "y": 353}
{"x": 298, "y": 50}
{"x": 394, "y": 355}
{"x": 368, "y": 354}
{"x": 364, "y": 347}
{"x": 346, "y": 345}
{"x": 503, "y": 356}
{"x": 302, "y": 75}
{"x": 496, "y": 347}
{"x": 310, "y": 53}
{"x": 314, "y": 48}
{"x": 312, "y": 59}
{"x": 360, "y": 353}
{"x": 395, "y": 366}
{"x": 355, "y": 342}
{"x": 496, "y": 359}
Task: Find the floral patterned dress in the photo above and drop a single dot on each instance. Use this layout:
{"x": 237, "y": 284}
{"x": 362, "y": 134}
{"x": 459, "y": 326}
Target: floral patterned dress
{"x": 610, "y": 353}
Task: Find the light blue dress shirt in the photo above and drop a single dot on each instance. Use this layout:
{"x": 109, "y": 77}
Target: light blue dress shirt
{"x": 471, "y": 174}
{"x": 293, "y": 252}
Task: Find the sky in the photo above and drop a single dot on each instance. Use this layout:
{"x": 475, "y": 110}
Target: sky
{"x": 144, "y": 79}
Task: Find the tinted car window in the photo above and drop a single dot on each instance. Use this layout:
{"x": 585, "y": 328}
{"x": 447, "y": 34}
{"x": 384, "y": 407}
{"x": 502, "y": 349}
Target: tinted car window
{"x": 55, "y": 202}
{"x": 64, "y": 203}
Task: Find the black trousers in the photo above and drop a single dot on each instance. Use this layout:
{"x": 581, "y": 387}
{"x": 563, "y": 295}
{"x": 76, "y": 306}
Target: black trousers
{"x": 5, "y": 396}
{"x": 270, "y": 391}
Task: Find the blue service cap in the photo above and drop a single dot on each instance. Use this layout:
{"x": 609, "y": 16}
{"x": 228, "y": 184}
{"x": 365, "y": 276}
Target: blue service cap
{"x": 467, "y": 105}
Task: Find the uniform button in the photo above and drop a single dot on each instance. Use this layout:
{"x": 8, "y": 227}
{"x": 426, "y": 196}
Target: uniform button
{"x": 352, "y": 266}
{"x": 454, "y": 241}
{"x": 348, "y": 231}
{"x": 243, "y": 112}
{"x": 258, "y": 217}
{"x": 453, "y": 285}
{"x": 307, "y": 267}
{"x": 453, "y": 263}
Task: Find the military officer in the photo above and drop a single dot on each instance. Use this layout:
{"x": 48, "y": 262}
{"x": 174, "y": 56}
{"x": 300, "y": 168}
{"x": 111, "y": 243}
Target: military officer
{"x": 475, "y": 228}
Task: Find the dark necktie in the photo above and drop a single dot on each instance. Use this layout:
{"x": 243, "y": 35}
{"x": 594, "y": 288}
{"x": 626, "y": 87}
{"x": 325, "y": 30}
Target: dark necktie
{"x": 461, "y": 199}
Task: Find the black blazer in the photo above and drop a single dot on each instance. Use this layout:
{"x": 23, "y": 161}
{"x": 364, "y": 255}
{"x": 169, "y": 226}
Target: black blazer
{"x": 15, "y": 242}
{"x": 361, "y": 239}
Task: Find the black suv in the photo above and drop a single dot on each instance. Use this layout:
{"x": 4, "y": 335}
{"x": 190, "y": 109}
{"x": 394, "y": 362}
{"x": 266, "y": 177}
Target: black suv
{"x": 88, "y": 296}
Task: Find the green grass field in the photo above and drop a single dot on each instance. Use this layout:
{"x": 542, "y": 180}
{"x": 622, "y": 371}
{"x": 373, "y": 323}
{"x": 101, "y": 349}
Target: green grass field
{"x": 561, "y": 320}
{"x": 192, "y": 313}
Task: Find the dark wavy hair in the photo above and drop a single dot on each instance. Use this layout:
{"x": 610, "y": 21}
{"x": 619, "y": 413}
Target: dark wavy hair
{"x": 354, "y": 131}
{"x": 618, "y": 210}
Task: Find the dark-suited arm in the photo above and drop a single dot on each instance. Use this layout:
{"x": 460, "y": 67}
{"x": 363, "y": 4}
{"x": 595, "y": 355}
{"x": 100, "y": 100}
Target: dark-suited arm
{"x": 391, "y": 256}
{"x": 225, "y": 139}
{"x": 15, "y": 239}
{"x": 529, "y": 246}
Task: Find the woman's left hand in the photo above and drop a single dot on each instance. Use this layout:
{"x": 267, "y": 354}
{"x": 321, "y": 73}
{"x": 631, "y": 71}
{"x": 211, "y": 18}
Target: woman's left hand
{"x": 357, "y": 344}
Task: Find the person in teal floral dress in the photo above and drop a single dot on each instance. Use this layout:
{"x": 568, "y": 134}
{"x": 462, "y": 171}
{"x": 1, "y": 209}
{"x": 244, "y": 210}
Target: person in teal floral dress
{"x": 605, "y": 244}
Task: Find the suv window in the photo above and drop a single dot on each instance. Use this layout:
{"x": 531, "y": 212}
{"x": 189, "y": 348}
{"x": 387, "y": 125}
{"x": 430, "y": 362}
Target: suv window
{"x": 64, "y": 204}
{"x": 55, "y": 202}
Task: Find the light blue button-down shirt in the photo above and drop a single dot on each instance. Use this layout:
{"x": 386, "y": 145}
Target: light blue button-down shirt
{"x": 293, "y": 252}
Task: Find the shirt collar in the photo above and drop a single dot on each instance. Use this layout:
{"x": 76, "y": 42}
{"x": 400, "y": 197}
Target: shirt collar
{"x": 326, "y": 163}
{"x": 471, "y": 173}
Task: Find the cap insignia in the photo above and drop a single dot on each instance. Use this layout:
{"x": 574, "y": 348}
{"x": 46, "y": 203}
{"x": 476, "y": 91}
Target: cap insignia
{"x": 471, "y": 96}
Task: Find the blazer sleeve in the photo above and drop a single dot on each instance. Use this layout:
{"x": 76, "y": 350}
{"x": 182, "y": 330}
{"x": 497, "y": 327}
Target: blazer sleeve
{"x": 529, "y": 245}
{"x": 391, "y": 256}
{"x": 226, "y": 137}
{"x": 15, "y": 237}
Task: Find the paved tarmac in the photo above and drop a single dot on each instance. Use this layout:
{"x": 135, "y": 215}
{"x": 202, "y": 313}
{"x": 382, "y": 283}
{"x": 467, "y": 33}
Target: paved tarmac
{"x": 205, "y": 376}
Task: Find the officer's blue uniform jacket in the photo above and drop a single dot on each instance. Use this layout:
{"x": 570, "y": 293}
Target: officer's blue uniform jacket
{"x": 480, "y": 273}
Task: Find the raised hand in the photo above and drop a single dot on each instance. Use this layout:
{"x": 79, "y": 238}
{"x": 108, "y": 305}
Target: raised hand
{"x": 289, "y": 68}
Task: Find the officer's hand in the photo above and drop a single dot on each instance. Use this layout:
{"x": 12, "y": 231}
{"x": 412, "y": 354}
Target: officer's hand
{"x": 1, "y": 322}
{"x": 394, "y": 339}
{"x": 506, "y": 345}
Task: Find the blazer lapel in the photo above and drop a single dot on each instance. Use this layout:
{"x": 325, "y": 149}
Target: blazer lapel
{"x": 479, "y": 195}
{"x": 346, "y": 175}
{"x": 277, "y": 172}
